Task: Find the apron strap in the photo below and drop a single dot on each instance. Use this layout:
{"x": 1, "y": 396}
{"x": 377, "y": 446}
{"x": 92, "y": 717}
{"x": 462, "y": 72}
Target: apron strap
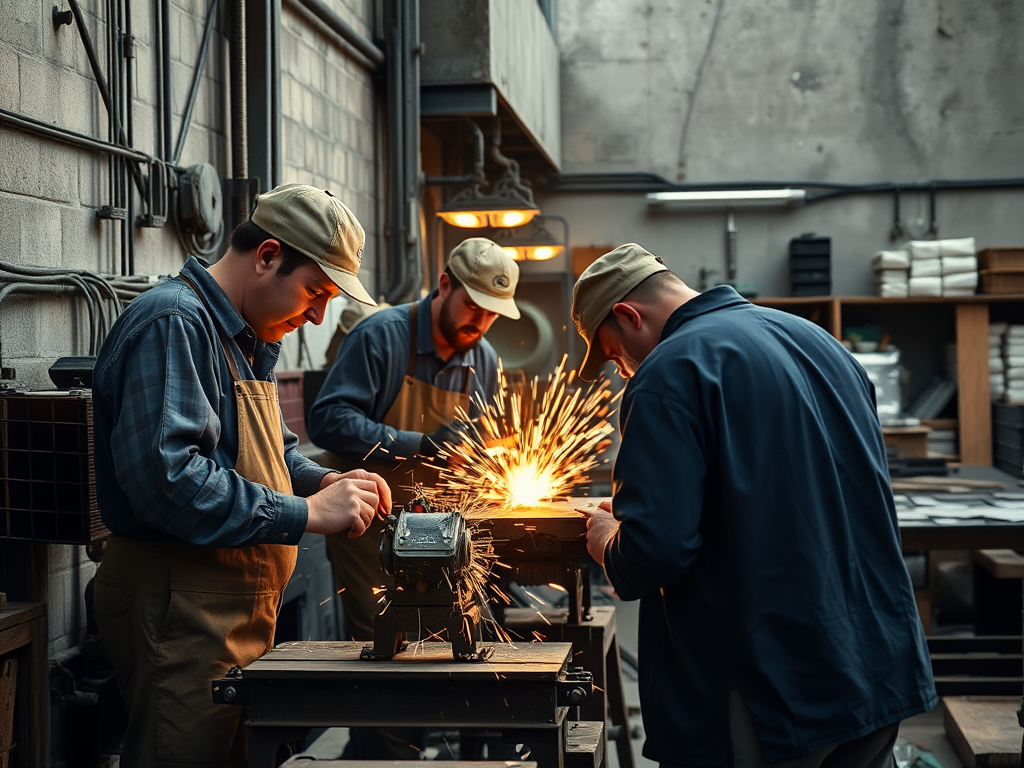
{"x": 220, "y": 333}
{"x": 411, "y": 365}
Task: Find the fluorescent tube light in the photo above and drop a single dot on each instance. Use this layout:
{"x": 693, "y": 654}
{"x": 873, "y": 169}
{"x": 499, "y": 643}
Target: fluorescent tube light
{"x": 728, "y": 198}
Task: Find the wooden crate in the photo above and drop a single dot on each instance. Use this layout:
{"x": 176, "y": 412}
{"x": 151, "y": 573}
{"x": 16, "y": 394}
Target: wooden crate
{"x": 8, "y": 686}
{"x": 910, "y": 442}
{"x": 1001, "y": 281}
{"x": 984, "y": 730}
{"x": 1009, "y": 259}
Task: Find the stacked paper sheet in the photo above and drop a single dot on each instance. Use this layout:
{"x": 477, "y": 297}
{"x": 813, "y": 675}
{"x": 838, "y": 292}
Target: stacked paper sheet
{"x": 1013, "y": 363}
{"x": 996, "y": 377}
{"x": 953, "y": 262}
{"x": 891, "y": 273}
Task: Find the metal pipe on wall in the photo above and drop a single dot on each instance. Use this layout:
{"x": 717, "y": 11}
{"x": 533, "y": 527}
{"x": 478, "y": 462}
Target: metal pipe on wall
{"x": 361, "y": 50}
{"x": 72, "y": 138}
{"x": 116, "y": 71}
{"x": 403, "y": 84}
{"x": 239, "y": 114}
{"x": 128, "y": 49}
{"x": 163, "y": 8}
{"x": 197, "y": 77}
{"x": 652, "y": 182}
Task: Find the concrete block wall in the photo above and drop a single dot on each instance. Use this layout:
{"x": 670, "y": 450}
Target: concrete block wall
{"x": 817, "y": 90}
{"x": 50, "y": 192}
{"x": 329, "y": 121}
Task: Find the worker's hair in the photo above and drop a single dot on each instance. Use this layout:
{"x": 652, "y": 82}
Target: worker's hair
{"x": 456, "y": 283}
{"x": 648, "y": 292}
{"x": 248, "y": 236}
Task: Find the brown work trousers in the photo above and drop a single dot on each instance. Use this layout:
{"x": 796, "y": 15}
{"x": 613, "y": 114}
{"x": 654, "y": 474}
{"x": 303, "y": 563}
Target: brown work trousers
{"x": 173, "y": 617}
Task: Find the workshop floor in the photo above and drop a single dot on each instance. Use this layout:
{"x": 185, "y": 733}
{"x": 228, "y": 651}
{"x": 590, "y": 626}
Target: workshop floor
{"x": 925, "y": 731}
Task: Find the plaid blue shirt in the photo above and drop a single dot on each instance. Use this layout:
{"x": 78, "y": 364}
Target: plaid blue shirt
{"x": 166, "y": 425}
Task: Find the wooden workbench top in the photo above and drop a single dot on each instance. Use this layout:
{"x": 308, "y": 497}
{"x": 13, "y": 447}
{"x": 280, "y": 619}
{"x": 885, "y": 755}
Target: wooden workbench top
{"x": 429, "y": 659}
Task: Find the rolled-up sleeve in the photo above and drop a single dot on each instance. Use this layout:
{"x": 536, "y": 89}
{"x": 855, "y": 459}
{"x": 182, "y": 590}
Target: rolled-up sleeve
{"x": 163, "y": 434}
{"x": 362, "y": 374}
{"x": 658, "y": 493}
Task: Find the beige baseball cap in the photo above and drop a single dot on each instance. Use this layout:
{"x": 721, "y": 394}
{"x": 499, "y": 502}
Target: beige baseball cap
{"x": 488, "y": 274}
{"x": 317, "y": 224}
{"x": 602, "y": 285}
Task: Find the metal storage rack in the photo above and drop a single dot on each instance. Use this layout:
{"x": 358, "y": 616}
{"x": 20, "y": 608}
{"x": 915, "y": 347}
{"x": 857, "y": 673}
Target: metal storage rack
{"x": 47, "y": 470}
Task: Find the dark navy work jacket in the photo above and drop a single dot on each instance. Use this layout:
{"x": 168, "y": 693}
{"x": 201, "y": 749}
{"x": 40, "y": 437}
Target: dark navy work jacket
{"x": 759, "y": 531}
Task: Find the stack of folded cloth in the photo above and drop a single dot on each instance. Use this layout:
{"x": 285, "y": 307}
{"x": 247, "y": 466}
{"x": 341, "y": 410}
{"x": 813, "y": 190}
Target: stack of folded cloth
{"x": 1013, "y": 363}
{"x": 892, "y": 273}
{"x": 943, "y": 267}
{"x": 996, "y": 366}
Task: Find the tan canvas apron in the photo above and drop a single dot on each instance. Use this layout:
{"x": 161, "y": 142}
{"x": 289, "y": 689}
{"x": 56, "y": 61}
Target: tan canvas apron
{"x": 175, "y": 615}
{"x": 419, "y": 407}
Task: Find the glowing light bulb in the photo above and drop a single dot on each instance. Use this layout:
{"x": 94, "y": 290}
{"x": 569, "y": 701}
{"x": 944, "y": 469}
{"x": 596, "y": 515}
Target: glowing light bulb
{"x": 512, "y": 218}
{"x": 544, "y": 252}
{"x": 512, "y": 253}
{"x": 470, "y": 220}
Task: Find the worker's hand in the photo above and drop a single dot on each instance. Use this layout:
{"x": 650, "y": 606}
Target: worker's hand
{"x": 331, "y": 477}
{"x": 452, "y": 434}
{"x": 348, "y": 502}
{"x": 601, "y": 527}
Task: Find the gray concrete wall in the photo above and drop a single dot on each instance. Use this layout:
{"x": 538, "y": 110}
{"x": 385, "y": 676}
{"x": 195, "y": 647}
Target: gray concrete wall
{"x": 817, "y": 90}
{"x": 49, "y": 193}
{"x": 506, "y": 43}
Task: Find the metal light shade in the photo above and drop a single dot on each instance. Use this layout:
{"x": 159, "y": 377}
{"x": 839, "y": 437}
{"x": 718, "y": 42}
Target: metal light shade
{"x": 486, "y": 211}
{"x": 537, "y": 245}
{"x": 510, "y": 204}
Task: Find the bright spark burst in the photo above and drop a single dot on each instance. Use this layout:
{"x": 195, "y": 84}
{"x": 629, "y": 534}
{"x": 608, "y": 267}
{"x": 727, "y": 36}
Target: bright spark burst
{"x": 532, "y": 444}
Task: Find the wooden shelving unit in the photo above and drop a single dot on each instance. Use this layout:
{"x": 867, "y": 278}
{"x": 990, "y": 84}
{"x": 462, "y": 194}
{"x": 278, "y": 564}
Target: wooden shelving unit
{"x": 971, "y": 318}
{"x": 23, "y": 639}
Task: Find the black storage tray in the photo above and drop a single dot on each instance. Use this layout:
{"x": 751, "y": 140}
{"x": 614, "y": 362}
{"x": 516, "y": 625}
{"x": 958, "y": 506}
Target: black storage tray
{"x": 802, "y": 262}
{"x": 1008, "y": 415}
{"x": 810, "y": 277}
{"x": 819, "y": 289}
{"x": 810, "y": 246}
{"x": 1013, "y": 468}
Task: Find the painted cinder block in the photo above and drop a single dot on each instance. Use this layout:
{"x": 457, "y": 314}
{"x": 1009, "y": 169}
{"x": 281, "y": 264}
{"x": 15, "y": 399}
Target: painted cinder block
{"x": 10, "y": 85}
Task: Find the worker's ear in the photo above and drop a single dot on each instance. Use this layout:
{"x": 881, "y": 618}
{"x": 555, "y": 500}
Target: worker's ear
{"x": 444, "y": 286}
{"x": 627, "y": 313}
{"x": 266, "y": 253}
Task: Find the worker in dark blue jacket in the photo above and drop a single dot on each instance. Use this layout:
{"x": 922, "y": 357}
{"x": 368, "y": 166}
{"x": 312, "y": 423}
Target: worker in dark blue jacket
{"x": 753, "y": 517}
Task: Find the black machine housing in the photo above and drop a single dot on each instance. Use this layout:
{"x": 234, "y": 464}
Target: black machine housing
{"x": 427, "y": 554}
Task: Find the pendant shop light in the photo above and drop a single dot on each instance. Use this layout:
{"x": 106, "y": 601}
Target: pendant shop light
{"x": 509, "y": 204}
{"x": 534, "y": 242}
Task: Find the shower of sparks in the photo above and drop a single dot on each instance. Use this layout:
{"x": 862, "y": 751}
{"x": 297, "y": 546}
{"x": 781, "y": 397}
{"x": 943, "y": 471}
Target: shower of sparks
{"x": 530, "y": 444}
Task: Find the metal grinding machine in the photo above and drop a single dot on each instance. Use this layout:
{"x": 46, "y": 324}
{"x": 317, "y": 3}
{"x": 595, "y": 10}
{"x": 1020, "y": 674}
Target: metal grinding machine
{"x": 428, "y": 556}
